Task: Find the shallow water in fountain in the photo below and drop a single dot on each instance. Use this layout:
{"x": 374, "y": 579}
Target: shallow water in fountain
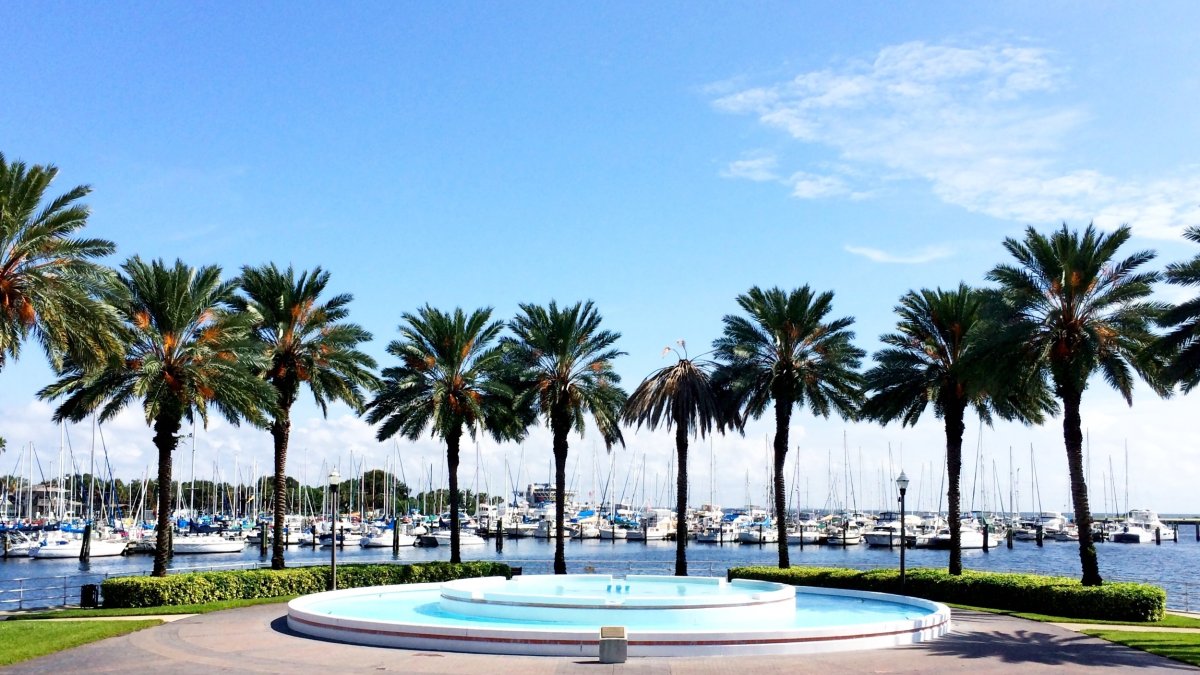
{"x": 423, "y": 607}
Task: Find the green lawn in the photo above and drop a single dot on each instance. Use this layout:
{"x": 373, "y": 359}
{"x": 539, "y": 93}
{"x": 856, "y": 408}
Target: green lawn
{"x": 149, "y": 611}
{"x": 1168, "y": 621}
{"x": 1179, "y": 646}
{"x": 23, "y": 640}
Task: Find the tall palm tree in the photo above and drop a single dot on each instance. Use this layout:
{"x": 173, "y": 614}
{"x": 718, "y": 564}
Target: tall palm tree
{"x": 941, "y": 355}
{"x": 1074, "y": 310}
{"x": 185, "y": 351}
{"x": 48, "y": 278}
{"x": 305, "y": 341}
{"x": 450, "y": 379}
{"x": 681, "y": 395}
{"x": 1183, "y": 341}
{"x": 786, "y": 353}
{"x": 564, "y": 361}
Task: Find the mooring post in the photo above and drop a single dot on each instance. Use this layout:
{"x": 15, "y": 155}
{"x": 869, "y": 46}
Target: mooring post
{"x": 986, "y": 534}
{"x": 1009, "y": 538}
{"x": 1041, "y": 535}
{"x": 499, "y": 535}
{"x": 1158, "y": 536}
{"x": 85, "y": 551}
{"x": 845, "y": 532}
{"x": 760, "y": 537}
{"x": 8, "y": 542}
{"x": 1198, "y": 530}
{"x": 339, "y": 539}
{"x": 1175, "y": 534}
{"x": 395, "y": 536}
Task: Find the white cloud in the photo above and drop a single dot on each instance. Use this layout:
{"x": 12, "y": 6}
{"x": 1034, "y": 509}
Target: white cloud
{"x": 927, "y": 254}
{"x": 756, "y": 168}
{"x": 979, "y": 124}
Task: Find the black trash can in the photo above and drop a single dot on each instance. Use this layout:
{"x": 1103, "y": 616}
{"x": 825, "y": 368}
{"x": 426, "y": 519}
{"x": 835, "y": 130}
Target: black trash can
{"x": 89, "y": 596}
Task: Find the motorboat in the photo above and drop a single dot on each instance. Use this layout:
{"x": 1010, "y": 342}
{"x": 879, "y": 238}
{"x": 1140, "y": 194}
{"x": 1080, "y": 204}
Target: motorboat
{"x": 442, "y": 538}
{"x": 1140, "y": 527}
{"x": 63, "y": 547}
{"x": 385, "y": 539}
{"x": 845, "y": 535}
{"x": 764, "y": 532}
{"x": 806, "y": 532}
{"x": 206, "y": 543}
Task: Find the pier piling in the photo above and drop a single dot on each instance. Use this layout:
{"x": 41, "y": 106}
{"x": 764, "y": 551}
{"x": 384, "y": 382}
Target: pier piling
{"x": 1158, "y": 536}
{"x": 499, "y": 535}
{"x": 85, "y": 551}
{"x": 987, "y": 531}
{"x": 1041, "y": 535}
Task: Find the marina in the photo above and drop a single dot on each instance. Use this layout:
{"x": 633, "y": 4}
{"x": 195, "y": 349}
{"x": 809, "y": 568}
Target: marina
{"x": 26, "y": 582}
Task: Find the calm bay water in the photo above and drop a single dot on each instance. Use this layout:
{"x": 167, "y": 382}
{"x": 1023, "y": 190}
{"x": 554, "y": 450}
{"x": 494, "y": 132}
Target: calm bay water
{"x": 1171, "y": 565}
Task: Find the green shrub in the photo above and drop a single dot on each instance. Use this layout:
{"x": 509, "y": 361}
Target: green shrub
{"x": 201, "y": 587}
{"x": 1057, "y": 596}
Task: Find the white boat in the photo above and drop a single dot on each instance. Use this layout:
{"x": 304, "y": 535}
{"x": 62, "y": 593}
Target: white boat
{"x": 843, "y": 536}
{"x": 206, "y": 543}
{"x": 613, "y": 532}
{"x": 1139, "y": 528}
{"x": 384, "y": 540}
{"x": 969, "y": 538}
{"x": 804, "y": 533}
{"x": 442, "y": 538}
{"x": 765, "y": 533}
{"x": 61, "y": 547}
{"x": 718, "y": 533}
{"x": 20, "y": 544}
{"x": 657, "y": 524}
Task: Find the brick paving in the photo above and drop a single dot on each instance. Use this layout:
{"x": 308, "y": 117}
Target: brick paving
{"x": 257, "y": 640}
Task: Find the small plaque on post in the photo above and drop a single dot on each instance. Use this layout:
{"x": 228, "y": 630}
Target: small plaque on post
{"x": 614, "y": 645}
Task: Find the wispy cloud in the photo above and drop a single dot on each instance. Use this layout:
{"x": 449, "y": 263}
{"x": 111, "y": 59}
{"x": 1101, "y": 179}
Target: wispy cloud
{"x": 927, "y": 254}
{"x": 980, "y": 124}
{"x": 759, "y": 168}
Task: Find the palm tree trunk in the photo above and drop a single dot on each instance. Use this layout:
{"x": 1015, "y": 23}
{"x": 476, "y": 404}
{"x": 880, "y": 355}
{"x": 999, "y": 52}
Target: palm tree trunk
{"x": 681, "y": 449}
{"x": 1073, "y": 435}
{"x": 452, "y": 440}
{"x": 280, "y": 430}
{"x": 166, "y": 430}
{"x": 559, "y": 425}
{"x": 783, "y": 417}
{"x": 955, "y": 410}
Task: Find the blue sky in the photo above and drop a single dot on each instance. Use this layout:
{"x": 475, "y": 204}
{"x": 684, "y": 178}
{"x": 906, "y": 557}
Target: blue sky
{"x": 657, "y": 159}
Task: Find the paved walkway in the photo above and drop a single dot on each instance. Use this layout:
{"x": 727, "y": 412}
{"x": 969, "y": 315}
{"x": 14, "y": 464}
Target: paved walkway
{"x": 257, "y": 640}
{"x": 1128, "y": 629}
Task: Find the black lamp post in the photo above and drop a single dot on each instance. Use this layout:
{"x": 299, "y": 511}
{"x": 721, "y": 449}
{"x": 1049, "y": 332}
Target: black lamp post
{"x": 335, "y": 479}
{"x": 902, "y": 483}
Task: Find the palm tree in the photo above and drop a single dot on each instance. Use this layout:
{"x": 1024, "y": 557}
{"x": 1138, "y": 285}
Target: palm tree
{"x": 450, "y": 378}
{"x": 1183, "y": 342}
{"x": 185, "y": 351}
{"x": 941, "y": 355}
{"x": 305, "y": 341}
{"x": 1074, "y": 310}
{"x": 48, "y": 278}
{"x": 786, "y": 353}
{"x": 681, "y": 395}
{"x": 564, "y": 361}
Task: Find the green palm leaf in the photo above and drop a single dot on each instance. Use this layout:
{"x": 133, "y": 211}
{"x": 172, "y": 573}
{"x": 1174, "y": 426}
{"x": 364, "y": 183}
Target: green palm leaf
{"x": 561, "y": 362}
{"x": 1070, "y": 309}
{"x": 304, "y": 340}
{"x": 451, "y": 378}
{"x": 48, "y": 278}
{"x": 787, "y": 353}
{"x": 185, "y": 353}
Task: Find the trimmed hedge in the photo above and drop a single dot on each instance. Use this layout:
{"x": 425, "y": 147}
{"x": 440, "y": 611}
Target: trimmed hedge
{"x": 200, "y": 587}
{"x": 1057, "y": 596}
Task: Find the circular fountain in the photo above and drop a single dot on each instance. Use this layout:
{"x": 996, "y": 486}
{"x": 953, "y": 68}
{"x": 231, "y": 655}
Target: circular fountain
{"x": 663, "y": 616}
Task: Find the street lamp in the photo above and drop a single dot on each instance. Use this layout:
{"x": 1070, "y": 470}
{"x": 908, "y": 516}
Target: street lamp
{"x": 902, "y": 483}
{"x": 335, "y": 479}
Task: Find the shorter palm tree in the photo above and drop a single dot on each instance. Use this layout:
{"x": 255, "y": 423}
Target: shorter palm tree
{"x": 49, "y": 278}
{"x": 1183, "y": 342}
{"x": 941, "y": 355}
{"x": 563, "y": 361}
{"x": 306, "y": 341}
{"x": 450, "y": 378}
{"x": 681, "y": 395}
{"x": 785, "y": 353}
{"x": 185, "y": 351}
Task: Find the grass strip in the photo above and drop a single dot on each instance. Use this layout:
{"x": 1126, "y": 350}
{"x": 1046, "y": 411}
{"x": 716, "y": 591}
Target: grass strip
{"x": 1183, "y": 647}
{"x": 1168, "y": 620}
{"x": 149, "y": 611}
{"x": 21, "y": 641}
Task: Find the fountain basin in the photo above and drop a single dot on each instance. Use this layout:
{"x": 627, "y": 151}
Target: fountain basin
{"x": 664, "y": 616}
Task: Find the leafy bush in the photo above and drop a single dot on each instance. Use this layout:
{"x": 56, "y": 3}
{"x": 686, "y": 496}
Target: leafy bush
{"x": 1057, "y": 596}
{"x": 201, "y": 587}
